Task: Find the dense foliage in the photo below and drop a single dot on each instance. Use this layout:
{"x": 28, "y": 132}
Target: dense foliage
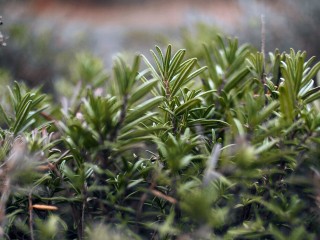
{"x": 166, "y": 149}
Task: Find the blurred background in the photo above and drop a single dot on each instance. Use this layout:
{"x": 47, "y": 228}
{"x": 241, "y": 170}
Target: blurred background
{"x": 44, "y": 36}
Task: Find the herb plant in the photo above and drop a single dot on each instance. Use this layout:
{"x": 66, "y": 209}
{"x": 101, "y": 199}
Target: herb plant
{"x": 222, "y": 146}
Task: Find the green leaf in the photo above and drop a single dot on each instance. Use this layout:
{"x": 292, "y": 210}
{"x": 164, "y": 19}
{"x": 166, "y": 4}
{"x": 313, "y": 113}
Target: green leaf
{"x": 314, "y": 95}
{"x": 286, "y": 104}
{"x": 310, "y": 92}
{"x": 208, "y": 123}
{"x": 298, "y": 75}
{"x": 143, "y": 108}
{"x": 166, "y": 63}
{"x": 153, "y": 71}
{"x": 20, "y": 119}
{"x": 33, "y": 114}
{"x": 134, "y": 70}
{"x": 4, "y": 117}
{"x": 315, "y": 69}
{"x": 236, "y": 79}
{"x": 142, "y": 90}
{"x": 238, "y": 127}
{"x": 22, "y": 103}
{"x": 186, "y": 106}
{"x": 17, "y": 91}
{"x": 142, "y": 132}
{"x": 211, "y": 67}
{"x": 196, "y": 73}
{"x": 37, "y": 100}
{"x": 160, "y": 54}
{"x": 265, "y": 113}
{"x": 266, "y": 146}
{"x": 182, "y": 78}
{"x": 137, "y": 122}
{"x": 175, "y": 63}
{"x": 276, "y": 69}
{"x": 305, "y": 89}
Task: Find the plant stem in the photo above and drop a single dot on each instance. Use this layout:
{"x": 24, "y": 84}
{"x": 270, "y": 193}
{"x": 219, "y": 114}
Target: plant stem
{"x": 31, "y": 217}
{"x": 3, "y": 201}
{"x": 263, "y": 35}
{"x": 84, "y": 204}
{"x": 167, "y": 89}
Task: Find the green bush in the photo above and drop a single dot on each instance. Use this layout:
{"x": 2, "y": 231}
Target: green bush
{"x": 174, "y": 151}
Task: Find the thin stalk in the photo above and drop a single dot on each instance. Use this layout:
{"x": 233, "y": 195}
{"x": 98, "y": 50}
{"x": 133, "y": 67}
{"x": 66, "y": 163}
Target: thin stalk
{"x": 84, "y": 204}
{"x": 263, "y": 35}
{"x": 263, "y": 46}
{"x": 3, "y": 201}
{"x": 31, "y": 217}
{"x": 177, "y": 209}
{"x": 142, "y": 201}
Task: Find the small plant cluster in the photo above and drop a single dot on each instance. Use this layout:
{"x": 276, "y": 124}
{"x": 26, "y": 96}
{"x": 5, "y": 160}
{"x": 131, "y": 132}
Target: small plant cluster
{"x": 222, "y": 146}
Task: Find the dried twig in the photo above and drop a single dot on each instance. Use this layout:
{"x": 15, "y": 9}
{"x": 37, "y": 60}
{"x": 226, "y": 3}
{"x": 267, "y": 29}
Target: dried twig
{"x": 44, "y": 207}
{"x": 163, "y": 196}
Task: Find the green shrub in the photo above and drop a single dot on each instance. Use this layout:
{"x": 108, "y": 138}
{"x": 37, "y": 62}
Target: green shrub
{"x": 175, "y": 151}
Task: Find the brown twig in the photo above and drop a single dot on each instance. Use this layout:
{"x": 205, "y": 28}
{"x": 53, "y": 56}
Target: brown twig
{"x": 163, "y": 196}
{"x": 44, "y": 207}
{"x": 48, "y": 117}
